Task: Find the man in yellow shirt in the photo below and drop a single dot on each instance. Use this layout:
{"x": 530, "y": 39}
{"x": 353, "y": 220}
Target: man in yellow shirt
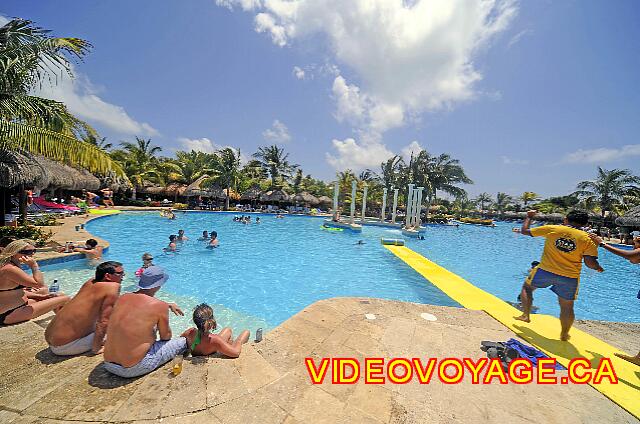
{"x": 565, "y": 248}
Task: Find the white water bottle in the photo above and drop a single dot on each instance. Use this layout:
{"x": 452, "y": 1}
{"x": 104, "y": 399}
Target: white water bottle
{"x": 54, "y": 288}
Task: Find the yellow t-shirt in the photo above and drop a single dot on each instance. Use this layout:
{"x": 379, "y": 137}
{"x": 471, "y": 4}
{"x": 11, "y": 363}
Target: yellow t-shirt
{"x": 564, "y": 249}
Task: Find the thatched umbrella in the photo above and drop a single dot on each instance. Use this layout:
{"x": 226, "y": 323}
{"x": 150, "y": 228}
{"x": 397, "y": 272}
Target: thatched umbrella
{"x": 62, "y": 176}
{"x": 194, "y": 189}
{"x": 325, "y": 200}
{"x": 630, "y": 219}
{"x": 306, "y": 198}
{"x": 251, "y": 194}
{"x": 274, "y": 196}
{"x": 19, "y": 169}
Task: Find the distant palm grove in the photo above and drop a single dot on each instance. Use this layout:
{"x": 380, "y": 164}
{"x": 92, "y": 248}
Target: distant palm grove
{"x": 30, "y": 125}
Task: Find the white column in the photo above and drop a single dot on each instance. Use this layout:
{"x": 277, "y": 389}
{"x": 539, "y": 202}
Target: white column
{"x": 384, "y": 204}
{"x": 409, "y": 206}
{"x": 336, "y": 192}
{"x": 395, "y": 205}
{"x": 364, "y": 202}
{"x": 419, "y": 206}
{"x": 353, "y": 202}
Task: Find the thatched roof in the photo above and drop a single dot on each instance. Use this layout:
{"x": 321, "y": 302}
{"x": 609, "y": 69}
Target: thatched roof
{"x": 274, "y": 196}
{"x": 306, "y": 198}
{"x": 251, "y": 194}
{"x": 194, "y": 189}
{"x": 325, "y": 200}
{"x": 172, "y": 189}
{"x": 66, "y": 177}
{"x": 630, "y": 219}
{"x": 21, "y": 168}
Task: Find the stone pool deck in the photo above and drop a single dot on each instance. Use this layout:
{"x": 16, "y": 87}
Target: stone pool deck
{"x": 269, "y": 382}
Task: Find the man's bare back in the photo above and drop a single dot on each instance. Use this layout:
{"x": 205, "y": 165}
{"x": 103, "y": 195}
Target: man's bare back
{"x": 132, "y": 328}
{"x": 79, "y": 317}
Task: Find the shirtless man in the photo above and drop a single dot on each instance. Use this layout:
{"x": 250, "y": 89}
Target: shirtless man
{"x": 131, "y": 349}
{"x": 107, "y": 196}
{"x": 91, "y": 250}
{"x": 80, "y": 326}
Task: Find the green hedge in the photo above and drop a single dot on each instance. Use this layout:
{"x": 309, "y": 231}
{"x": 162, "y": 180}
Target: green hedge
{"x": 39, "y": 236}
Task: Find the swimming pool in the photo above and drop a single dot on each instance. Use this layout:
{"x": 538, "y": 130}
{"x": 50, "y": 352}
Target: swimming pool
{"x": 263, "y": 274}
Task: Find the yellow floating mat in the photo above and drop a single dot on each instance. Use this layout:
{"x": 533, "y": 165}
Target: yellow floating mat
{"x": 104, "y": 211}
{"x": 543, "y": 331}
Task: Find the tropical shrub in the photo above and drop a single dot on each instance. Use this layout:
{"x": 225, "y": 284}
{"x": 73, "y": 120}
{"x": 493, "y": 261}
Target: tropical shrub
{"x": 38, "y": 235}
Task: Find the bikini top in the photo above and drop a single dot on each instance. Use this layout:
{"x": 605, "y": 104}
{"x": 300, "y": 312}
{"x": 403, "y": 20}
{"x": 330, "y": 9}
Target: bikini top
{"x": 18, "y": 287}
{"x": 196, "y": 341}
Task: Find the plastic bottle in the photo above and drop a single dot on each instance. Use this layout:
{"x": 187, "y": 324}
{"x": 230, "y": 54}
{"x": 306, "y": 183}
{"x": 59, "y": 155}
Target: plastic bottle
{"x": 258, "y": 335}
{"x": 54, "y": 288}
{"x": 176, "y": 365}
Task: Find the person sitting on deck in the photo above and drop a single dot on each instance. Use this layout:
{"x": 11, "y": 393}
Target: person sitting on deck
{"x": 131, "y": 348}
{"x": 565, "y": 248}
{"x": 16, "y": 304}
{"x": 80, "y": 326}
{"x": 202, "y": 342}
{"x": 632, "y": 256}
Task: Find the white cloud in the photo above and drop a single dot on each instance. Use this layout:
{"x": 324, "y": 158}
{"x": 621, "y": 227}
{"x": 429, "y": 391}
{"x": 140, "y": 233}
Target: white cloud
{"x": 412, "y": 57}
{"x": 245, "y": 5}
{"x": 298, "y": 72}
{"x": 199, "y": 144}
{"x": 518, "y": 37}
{"x": 278, "y": 133}
{"x": 81, "y": 98}
{"x": 602, "y": 154}
{"x": 511, "y": 161}
{"x": 206, "y": 145}
{"x": 358, "y": 156}
{"x": 412, "y": 149}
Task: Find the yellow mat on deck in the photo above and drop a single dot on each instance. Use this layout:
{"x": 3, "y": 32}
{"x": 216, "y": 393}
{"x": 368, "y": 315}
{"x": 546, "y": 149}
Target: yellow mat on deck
{"x": 104, "y": 211}
{"x": 542, "y": 332}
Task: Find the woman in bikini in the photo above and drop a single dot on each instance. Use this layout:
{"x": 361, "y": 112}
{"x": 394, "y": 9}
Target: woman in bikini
{"x": 203, "y": 343}
{"x": 15, "y": 305}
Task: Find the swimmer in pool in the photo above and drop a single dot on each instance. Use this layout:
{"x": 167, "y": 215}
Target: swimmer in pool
{"x": 205, "y": 236}
{"x": 213, "y": 243}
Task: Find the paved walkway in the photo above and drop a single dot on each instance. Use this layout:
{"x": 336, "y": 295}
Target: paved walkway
{"x": 269, "y": 382}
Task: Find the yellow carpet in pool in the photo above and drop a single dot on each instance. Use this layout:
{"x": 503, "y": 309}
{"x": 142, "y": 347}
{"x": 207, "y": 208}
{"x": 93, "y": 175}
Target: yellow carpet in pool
{"x": 542, "y": 332}
{"x": 104, "y": 211}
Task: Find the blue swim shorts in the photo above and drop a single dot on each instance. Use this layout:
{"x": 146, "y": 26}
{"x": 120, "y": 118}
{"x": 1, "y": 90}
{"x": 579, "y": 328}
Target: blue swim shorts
{"x": 161, "y": 352}
{"x": 564, "y": 287}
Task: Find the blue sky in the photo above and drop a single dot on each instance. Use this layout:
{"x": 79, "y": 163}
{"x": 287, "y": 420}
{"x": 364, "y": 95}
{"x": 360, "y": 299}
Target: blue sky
{"x": 528, "y": 95}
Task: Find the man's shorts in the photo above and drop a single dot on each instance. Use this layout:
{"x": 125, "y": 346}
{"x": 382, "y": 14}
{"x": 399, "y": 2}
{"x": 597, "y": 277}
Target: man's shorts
{"x": 564, "y": 287}
{"x": 74, "y": 347}
{"x": 161, "y": 352}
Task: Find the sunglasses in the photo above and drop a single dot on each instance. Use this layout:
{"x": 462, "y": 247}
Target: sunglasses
{"x": 118, "y": 273}
{"x": 147, "y": 259}
{"x": 28, "y": 252}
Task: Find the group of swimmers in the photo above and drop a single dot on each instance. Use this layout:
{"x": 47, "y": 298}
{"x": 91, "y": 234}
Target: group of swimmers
{"x": 175, "y": 240}
{"x": 245, "y": 219}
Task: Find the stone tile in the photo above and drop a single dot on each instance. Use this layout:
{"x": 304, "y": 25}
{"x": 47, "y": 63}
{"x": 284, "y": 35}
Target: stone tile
{"x": 374, "y": 400}
{"x": 313, "y": 333}
{"x": 8, "y": 416}
{"x": 287, "y": 390}
{"x": 323, "y": 314}
{"x": 223, "y": 382}
{"x": 199, "y": 417}
{"x": 188, "y": 390}
{"x": 34, "y": 384}
{"x": 249, "y": 409}
{"x": 255, "y": 370}
{"x": 366, "y": 345}
{"x": 88, "y": 396}
{"x": 318, "y": 406}
{"x": 148, "y": 399}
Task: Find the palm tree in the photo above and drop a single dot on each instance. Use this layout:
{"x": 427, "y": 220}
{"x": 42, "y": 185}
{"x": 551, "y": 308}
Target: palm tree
{"x": 193, "y": 165}
{"x": 227, "y": 170}
{"x": 528, "y": 196}
{"x": 608, "y": 189}
{"x": 391, "y": 172}
{"x": 139, "y": 161}
{"x": 30, "y": 57}
{"x": 101, "y": 144}
{"x": 275, "y": 161}
{"x": 482, "y": 199}
{"x": 502, "y": 201}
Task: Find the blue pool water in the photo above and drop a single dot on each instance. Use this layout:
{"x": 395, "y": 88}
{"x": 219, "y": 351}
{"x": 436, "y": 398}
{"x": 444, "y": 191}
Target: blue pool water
{"x": 263, "y": 274}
